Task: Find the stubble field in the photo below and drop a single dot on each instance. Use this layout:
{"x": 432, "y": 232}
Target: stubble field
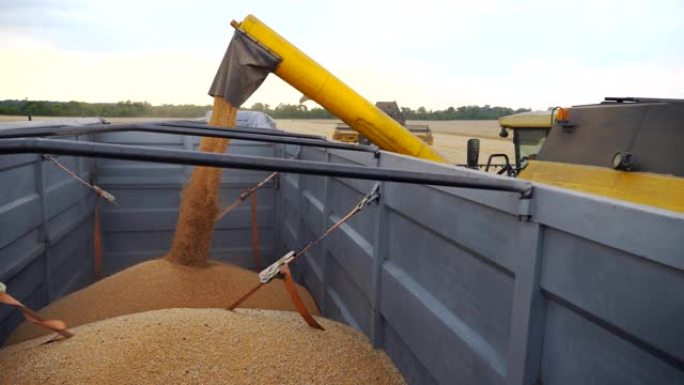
{"x": 449, "y": 136}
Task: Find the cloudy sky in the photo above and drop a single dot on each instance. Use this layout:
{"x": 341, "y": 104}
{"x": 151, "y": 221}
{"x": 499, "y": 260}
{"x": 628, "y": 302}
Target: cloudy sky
{"x": 419, "y": 52}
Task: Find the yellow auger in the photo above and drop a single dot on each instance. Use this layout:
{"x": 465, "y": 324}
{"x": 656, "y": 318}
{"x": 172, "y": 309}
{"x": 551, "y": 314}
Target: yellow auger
{"x": 319, "y": 85}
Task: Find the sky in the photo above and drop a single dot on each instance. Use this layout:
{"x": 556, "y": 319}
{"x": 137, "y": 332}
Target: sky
{"x": 436, "y": 54}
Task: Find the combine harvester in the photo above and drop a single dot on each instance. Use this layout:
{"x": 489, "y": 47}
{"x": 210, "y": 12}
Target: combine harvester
{"x": 344, "y": 133}
{"x": 571, "y": 273}
{"x": 624, "y": 148}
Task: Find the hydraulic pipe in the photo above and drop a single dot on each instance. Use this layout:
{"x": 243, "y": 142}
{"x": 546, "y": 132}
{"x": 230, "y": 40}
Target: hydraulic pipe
{"x": 319, "y": 85}
{"x": 249, "y": 130}
{"x": 62, "y": 129}
{"x": 245, "y": 162}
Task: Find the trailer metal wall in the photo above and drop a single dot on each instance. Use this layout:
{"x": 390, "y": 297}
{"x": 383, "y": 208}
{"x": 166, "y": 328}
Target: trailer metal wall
{"x": 450, "y": 282}
{"x": 46, "y": 231}
{"x": 457, "y": 289}
{"x": 148, "y": 195}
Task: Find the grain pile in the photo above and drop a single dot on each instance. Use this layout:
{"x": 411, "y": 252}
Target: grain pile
{"x": 207, "y": 346}
{"x": 160, "y": 284}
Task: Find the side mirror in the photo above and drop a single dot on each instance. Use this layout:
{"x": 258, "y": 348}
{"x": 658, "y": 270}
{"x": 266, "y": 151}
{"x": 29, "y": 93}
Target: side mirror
{"x": 473, "y": 155}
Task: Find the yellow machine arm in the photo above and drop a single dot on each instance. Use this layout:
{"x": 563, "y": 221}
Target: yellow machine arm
{"x": 319, "y": 85}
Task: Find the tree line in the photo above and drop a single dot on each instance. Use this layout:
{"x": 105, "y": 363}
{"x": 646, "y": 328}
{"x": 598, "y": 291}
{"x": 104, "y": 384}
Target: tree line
{"x": 111, "y": 110}
{"x": 281, "y": 111}
{"x": 301, "y": 111}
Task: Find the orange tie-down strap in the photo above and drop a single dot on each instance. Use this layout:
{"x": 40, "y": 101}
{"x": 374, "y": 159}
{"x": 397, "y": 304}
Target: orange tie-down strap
{"x": 281, "y": 265}
{"x": 56, "y": 326}
{"x": 301, "y": 308}
{"x": 292, "y": 290}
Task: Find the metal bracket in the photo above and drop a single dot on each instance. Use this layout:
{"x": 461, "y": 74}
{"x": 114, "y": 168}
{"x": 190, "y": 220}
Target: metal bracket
{"x": 373, "y": 196}
{"x": 104, "y": 194}
{"x": 524, "y": 209}
{"x": 271, "y": 271}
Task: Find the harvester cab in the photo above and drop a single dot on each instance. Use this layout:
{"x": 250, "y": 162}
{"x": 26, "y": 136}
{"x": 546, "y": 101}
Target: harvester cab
{"x": 530, "y": 130}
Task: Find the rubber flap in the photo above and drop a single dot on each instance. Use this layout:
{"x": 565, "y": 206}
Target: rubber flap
{"x": 244, "y": 67}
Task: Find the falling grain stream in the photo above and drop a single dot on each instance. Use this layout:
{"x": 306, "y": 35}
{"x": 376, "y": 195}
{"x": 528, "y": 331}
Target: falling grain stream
{"x": 199, "y": 206}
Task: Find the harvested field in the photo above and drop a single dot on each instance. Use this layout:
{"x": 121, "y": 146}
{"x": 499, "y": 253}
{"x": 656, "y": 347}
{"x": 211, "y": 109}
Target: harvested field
{"x": 450, "y": 136}
{"x": 160, "y": 284}
{"x": 201, "y": 346}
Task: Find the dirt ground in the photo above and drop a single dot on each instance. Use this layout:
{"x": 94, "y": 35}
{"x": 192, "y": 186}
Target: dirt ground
{"x": 450, "y": 137}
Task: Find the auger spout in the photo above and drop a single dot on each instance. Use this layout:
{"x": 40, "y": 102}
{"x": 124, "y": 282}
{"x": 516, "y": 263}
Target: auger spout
{"x": 319, "y": 85}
